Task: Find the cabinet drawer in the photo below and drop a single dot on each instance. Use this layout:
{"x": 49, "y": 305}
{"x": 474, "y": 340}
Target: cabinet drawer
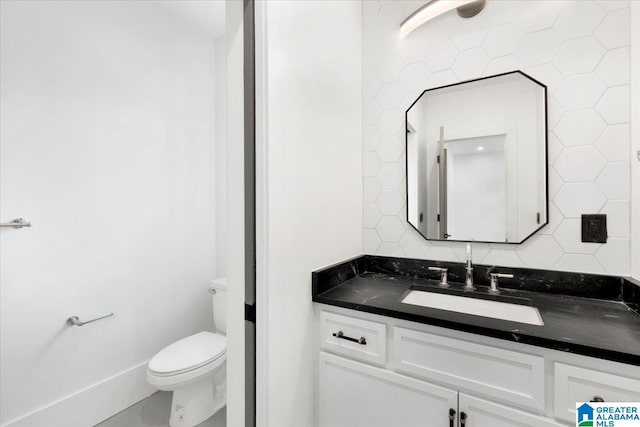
{"x": 509, "y": 376}
{"x": 359, "y": 339}
{"x": 574, "y": 384}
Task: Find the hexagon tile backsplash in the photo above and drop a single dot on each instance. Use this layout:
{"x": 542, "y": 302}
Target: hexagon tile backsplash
{"x": 579, "y": 49}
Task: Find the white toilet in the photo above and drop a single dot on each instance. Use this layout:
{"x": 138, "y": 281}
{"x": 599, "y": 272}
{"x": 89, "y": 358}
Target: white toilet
{"x": 194, "y": 368}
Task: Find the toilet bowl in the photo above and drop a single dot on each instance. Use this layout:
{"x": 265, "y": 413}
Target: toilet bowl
{"x": 194, "y": 368}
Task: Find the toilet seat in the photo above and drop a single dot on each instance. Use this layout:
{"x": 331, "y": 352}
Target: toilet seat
{"x": 189, "y": 354}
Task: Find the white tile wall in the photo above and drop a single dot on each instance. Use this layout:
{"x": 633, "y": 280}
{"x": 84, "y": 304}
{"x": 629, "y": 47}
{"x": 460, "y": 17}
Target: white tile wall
{"x": 579, "y": 49}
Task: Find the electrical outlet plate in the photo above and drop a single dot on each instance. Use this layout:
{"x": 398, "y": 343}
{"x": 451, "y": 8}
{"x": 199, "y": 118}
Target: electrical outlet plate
{"x": 594, "y": 228}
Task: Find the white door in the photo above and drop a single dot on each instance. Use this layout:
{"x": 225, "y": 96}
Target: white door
{"x": 476, "y": 412}
{"x": 353, "y": 394}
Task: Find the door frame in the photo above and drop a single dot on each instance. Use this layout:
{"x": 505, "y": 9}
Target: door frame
{"x": 241, "y": 246}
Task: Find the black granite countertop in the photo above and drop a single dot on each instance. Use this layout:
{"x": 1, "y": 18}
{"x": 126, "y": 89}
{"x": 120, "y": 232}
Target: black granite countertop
{"x": 591, "y": 315}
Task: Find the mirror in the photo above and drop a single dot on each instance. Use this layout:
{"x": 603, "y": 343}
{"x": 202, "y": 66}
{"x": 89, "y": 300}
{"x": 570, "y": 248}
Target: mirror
{"x": 477, "y": 160}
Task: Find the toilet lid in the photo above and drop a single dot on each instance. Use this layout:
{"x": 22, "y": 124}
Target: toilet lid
{"x": 189, "y": 353}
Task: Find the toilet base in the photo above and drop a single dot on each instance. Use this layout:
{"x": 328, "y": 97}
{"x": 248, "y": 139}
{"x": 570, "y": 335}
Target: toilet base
{"x": 194, "y": 403}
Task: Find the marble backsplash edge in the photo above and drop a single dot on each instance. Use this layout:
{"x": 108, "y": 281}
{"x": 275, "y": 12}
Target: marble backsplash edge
{"x": 631, "y": 293}
{"x": 606, "y": 287}
{"x": 333, "y": 275}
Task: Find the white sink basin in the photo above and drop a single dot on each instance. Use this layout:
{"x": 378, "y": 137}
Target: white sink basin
{"x": 475, "y": 306}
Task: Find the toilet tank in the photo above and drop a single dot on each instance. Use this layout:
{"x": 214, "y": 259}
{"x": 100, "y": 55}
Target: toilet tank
{"x": 218, "y": 289}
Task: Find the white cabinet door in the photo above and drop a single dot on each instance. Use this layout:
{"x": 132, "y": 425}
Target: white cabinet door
{"x": 476, "y": 412}
{"x": 353, "y": 394}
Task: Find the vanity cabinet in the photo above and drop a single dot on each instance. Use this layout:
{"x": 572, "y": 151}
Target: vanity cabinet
{"x": 417, "y": 375}
{"x": 353, "y": 394}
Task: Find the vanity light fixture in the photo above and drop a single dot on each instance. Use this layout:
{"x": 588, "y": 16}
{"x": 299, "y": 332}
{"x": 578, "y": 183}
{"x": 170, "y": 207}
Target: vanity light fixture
{"x": 433, "y": 8}
{"x": 480, "y": 148}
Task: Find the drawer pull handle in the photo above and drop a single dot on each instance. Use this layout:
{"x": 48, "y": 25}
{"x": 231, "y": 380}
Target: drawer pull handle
{"x": 463, "y": 419}
{"x": 597, "y": 399}
{"x": 452, "y": 416}
{"x": 341, "y": 335}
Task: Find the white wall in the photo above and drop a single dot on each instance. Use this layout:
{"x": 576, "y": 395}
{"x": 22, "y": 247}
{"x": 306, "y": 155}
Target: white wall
{"x": 221, "y": 181}
{"x": 635, "y": 146}
{"x": 580, "y": 49}
{"x": 108, "y": 148}
{"x": 309, "y": 185}
{"x": 421, "y": 140}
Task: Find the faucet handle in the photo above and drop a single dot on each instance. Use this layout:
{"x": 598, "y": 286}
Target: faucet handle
{"x": 443, "y": 275}
{"x": 494, "y": 281}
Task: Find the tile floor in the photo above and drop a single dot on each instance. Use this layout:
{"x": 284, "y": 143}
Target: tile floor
{"x": 154, "y": 412}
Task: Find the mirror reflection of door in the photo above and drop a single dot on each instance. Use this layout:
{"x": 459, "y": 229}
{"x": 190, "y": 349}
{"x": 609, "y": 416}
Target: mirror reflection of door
{"x": 476, "y": 181}
{"x": 441, "y": 159}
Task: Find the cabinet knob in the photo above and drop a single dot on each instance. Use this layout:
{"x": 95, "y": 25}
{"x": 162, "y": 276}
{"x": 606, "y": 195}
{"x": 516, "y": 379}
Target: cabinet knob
{"x": 597, "y": 399}
{"x": 452, "y": 417}
{"x": 463, "y": 419}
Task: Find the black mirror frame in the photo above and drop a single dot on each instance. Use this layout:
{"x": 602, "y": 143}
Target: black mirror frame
{"x": 546, "y": 156}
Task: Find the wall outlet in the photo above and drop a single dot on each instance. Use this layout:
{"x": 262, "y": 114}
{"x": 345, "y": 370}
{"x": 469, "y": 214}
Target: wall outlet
{"x": 594, "y": 228}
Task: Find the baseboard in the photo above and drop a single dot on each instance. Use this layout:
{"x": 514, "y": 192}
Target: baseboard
{"x": 93, "y": 404}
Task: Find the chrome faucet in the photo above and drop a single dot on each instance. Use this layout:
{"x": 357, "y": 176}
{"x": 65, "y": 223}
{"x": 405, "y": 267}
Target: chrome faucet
{"x": 469, "y": 280}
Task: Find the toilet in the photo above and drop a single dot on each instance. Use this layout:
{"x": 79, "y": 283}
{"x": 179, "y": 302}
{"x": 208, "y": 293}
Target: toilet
{"x": 194, "y": 368}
